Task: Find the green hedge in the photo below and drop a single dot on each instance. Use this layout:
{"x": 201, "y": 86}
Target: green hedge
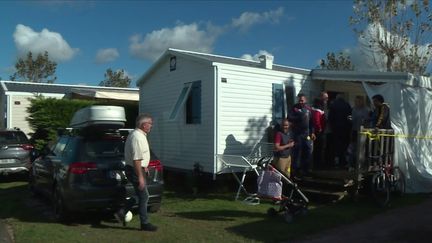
{"x": 48, "y": 115}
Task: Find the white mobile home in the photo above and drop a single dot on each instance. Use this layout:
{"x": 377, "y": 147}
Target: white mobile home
{"x": 205, "y": 104}
{"x": 14, "y": 98}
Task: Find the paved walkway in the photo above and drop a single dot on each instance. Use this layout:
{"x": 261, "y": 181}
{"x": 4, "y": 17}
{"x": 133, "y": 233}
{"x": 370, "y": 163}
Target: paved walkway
{"x": 4, "y": 233}
{"x": 407, "y": 224}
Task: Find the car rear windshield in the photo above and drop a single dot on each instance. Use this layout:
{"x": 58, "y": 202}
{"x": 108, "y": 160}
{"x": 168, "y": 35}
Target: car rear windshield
{"x": 8, "y": 137}
{"x": 103, "y": 147}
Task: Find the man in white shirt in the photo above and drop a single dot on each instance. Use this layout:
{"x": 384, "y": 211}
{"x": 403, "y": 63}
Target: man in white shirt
{"x": 137, "y": 158}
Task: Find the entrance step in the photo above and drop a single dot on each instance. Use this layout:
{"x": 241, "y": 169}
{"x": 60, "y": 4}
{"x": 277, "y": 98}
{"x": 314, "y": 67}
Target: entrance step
{"x": 338, "y": 174}
{"x": 323, "y": 196}
{"x": 327, "y": 186}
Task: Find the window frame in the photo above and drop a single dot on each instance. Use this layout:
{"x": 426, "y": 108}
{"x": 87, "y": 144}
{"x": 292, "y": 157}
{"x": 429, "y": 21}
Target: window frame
{"x": 184, "y": 94}
{"x": 193, "y": 104}
{"x": 278, "y": 103}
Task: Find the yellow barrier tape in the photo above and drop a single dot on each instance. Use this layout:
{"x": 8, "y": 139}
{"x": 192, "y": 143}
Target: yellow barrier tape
{"x": 376, "y": 136}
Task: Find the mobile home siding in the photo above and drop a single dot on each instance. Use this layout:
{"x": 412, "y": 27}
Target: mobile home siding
{"x": 19, "y": 104}
{"x": 3, "y": 104}
{"x": 15, "y": 109}
{"x": 180, "y": 145}
{"x": 245, "y": 105}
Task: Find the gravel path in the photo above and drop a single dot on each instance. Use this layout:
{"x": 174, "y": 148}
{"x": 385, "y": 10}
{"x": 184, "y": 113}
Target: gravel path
{"x": 5, "y": 236}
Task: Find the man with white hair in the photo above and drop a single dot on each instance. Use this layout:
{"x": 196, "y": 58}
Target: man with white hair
{"x": 137, "y": 158}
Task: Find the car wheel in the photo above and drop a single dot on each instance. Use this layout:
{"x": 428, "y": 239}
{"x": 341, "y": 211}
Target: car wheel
{"x": 60, "y": 212}
{"x": 154, "y": 208}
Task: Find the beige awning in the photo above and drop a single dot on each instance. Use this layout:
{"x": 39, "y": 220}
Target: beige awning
{"x": 108, "y": 94}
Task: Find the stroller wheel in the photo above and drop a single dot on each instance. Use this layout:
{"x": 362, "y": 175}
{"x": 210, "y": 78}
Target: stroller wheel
{"x": 271, "y": 212}
{"x": 288, "y": 217}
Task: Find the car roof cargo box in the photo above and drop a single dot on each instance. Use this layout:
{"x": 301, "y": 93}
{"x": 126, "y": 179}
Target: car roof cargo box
{"x": 101, "y": 116}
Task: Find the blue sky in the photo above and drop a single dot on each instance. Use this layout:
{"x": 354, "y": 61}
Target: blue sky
{"x": 87, "y": 37}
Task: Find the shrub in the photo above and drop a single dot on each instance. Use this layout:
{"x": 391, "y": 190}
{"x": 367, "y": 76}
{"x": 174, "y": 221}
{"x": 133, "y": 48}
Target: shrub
{"x": 48, "y": 115}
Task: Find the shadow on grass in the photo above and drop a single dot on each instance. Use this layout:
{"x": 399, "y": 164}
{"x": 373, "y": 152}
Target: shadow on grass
{"x": 263, "y": 229}
{"x": 220, "y": 215}
{"x": 22, "y": 176}
{"x": 266, "y": 230}
{"x": 323, "y": 217}
{"x": 191, "y": 197}
{"x": 19, "y": 203}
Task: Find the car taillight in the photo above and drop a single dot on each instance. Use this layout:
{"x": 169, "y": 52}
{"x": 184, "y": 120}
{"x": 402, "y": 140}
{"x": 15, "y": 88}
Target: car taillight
{"x": 81, "y": 167}
{"x": 156, "y": 164}
{"x": 27, "y": 146}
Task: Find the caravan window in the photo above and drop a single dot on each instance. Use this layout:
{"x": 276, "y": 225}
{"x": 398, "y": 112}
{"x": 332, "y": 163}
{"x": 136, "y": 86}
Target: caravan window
{"x": 180, "y": 101}
{"x": 193, "y": 104}
{"x": 290, "y": 96}
{"x": 190, "y": 96}
{"x": 278, "y": 103}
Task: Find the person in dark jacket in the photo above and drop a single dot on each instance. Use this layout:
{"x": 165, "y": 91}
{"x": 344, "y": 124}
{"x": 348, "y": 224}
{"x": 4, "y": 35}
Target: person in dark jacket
{"x": 381, "y": 116}
{"x": 303, "y": 131}
{"x": 340, "y": 124}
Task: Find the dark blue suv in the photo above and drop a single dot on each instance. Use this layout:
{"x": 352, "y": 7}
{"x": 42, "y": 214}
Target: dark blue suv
{"x": 84, "y": 171}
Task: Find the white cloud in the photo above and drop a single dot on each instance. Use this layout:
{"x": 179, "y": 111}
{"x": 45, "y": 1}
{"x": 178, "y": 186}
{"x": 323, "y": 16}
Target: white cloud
{"x": 187, "y": 37}
{"x": 194, "y": 37}
{"x": 255, "y": 57}
{"x": 107, "y": 55}
{"x": 248, "y": 19}
{"x": 26, "y": 39}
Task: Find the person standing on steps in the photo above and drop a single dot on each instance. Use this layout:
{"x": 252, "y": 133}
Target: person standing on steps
{"x": 283, "y": 143}
{"x": 303, "y": 130}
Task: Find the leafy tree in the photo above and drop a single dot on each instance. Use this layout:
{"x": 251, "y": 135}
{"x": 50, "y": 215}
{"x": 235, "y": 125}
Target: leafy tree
{"x": 39, "y": 70}
{"x": 115, "y": 79}
{"x": 339, "y": 62}
{"x": 394, "y": 33}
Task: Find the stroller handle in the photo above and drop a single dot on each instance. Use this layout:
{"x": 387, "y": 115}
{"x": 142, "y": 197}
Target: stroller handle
{"x": 264, "y": 161}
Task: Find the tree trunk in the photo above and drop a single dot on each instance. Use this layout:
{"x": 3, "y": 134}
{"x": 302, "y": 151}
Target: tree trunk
{"x": 390, "y": 59}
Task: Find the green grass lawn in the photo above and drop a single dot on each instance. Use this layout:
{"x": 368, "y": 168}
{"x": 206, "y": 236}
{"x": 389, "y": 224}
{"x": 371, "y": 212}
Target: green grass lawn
{"x": 206, "y": 218}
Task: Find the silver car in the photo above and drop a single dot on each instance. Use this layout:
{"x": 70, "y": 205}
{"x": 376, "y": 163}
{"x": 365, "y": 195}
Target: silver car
{"x": 15, "y": 151}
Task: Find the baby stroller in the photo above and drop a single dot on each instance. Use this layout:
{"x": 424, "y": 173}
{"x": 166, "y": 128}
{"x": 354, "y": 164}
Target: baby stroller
{"x": 272, "y": 183}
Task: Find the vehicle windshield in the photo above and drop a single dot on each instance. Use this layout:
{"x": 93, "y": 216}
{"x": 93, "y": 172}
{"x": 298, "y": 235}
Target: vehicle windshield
{"x": 7, "y": 137}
